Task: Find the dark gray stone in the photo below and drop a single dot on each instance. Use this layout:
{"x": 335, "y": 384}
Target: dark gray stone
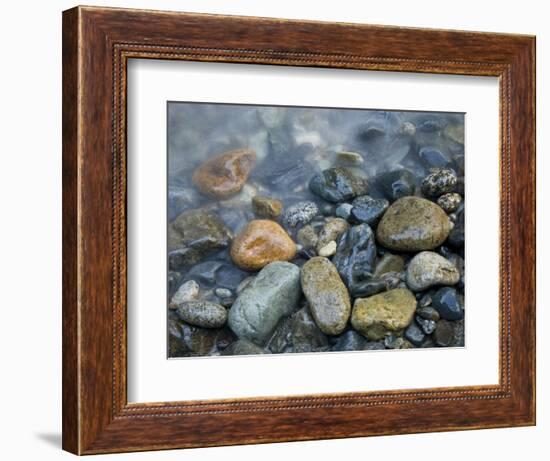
{"x": 368, "y": 210}
{"x": 337, "y": 185}
{"x": 414, "y": 334}
{"x": 355, "y": 255}
{"x": 449, "y": 303}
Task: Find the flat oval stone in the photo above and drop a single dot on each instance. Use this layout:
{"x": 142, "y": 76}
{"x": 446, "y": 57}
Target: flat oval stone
{"x": 413, "y": 224}
{"x": 203, "y": 314}
{"x": 260, "y": 243}
{"x": 225, "y": 174}
{"x": 327, "y": 295}
{"x": 427, "y": 269}
{"x": 273, "y": 294}
{"x": 337, "y": 185}
{"x": 266, "y": 207}
{"x": 381, "y": 314}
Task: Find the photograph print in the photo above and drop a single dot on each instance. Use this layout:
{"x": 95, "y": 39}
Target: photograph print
{"x": 313, "y": 229}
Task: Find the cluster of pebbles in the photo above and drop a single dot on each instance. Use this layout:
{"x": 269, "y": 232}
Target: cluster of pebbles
{"x": 309, "y": 249}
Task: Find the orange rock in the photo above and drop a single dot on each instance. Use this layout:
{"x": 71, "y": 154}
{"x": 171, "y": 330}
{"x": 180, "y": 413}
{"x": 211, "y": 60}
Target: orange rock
{"x": 225, "y": 174}
{"x": 260, "y": 243}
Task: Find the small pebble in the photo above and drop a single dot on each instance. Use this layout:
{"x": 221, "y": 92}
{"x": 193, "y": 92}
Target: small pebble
{"x": 328, "y": 250}
{"x": 450, "y": 202}
{"x": 349, "y": 158}
{"x": 440, "y": 181}
{"x": 223, "y": 293}
{"x": 344, "y": 210}
{"x": 427, "y": 326}
{"x": 189, "y": 291}
{"x": 299, "y": 214}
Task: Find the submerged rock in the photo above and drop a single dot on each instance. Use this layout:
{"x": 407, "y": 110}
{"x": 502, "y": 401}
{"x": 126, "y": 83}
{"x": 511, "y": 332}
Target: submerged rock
{"x": 273, "y": 294}
{"x": 260, "y": 243}
{"x": 244, "y": 347}
{"x": 327, "y": 295}
{"x": 427, "y": 269}
{"x": 349, "y": 341}
{"x": 193, "y": 235}
{"x": 188, "y": 291}
{"x": 396, "y": 184}
{"x": 355, "y": 255}
{"x": 224, "y": 175}
{"x": 266, "y": 207}
{"x": 337, "y": 185}
{"x": 378, "y": 315}
{"x": 413, "y": 224}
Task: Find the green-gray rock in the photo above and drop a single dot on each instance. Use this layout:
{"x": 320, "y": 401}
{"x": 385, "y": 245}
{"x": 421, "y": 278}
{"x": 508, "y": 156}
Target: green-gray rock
{"x": 388, "y": 263}
{"x": 192, "y": 235}
{"x": 205, "y": 314}
{"x": 381, "y": 314}
{"x": 266, "y": 207}
{"x": 413, "y": 224}
{"x": 427, "y": 269}
{"x": 327, "y": 295}
{"x": 273, "y": 294}
{"x": 331, "y": 231}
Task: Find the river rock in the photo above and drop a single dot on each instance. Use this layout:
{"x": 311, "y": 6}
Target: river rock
{"x": 298, "y": 333}
{"x": 367, "y": 209}
{"x": 427, "y": 326}
{"x": 349, "y": 341}
{"x": 385, "y": 282}
{"x": 203, "y": 314}
{"x": 413, "y": 224}
{"x": 440, "y": 181}
{"x": 307, "y": 237}
{"x": 261, "y": 242}
{"x": 328, "y": 250}
{"x": 428, "y": 313}
{"x": 244, "y": 347}
{"x": 388, "y": 263}
{"x": 337, "y": 185}
{"x": 355, "y": 255}
{"x": 188, "y": 291}
{"x": 444, "y": 333}
{"x": 448, "y": 303}
{"x": 343, "y": 210}
{"x": 347, "y": 158}
{"x": 193, "y": 235}
{"x": 396, "y": 184}
{"x": 456, "y": 236}
{"x": 378, "y": 315}
{"x": 299, "y": 214}
{"x": 224, "y": 175}
{"x": 427, "y": 269}
{"x": 449, "y": 202}
{"x": 414, "y": 334}
{"x": 273, "y": 294}
{"x": 327, "y": 295}
{"x": 186, "y": 340}
{"x": 331, "y": 231}
{"x": 266, "y": 207}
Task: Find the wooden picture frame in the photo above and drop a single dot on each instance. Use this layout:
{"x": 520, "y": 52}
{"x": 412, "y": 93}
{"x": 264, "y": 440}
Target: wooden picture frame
{"x": 97, "y": 43}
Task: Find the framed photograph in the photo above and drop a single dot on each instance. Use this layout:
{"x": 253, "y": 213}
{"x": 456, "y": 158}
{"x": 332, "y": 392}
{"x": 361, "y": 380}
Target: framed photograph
{"x": 282, "y": 230}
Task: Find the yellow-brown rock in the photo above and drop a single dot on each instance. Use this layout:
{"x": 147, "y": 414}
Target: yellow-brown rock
{"x": 260, "y": 243}
{"x": 226, "y": 174}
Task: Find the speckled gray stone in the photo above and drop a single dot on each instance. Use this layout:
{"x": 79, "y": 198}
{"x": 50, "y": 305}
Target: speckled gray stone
{"x": 205, "y": 314}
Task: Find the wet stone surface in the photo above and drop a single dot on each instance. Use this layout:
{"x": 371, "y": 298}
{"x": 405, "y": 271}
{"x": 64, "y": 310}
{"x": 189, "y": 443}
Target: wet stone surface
{"x": 310, "y": 230}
